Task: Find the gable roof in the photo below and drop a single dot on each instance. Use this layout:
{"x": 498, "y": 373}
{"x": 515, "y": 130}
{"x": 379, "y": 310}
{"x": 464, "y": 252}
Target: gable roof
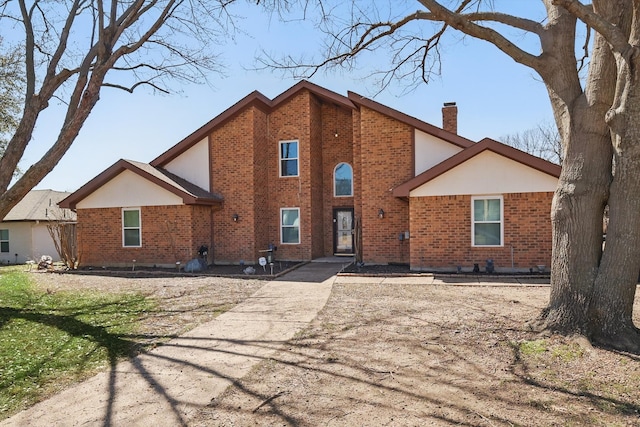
{"x": 260, "y": 101}
{"x": 411, "y": 121}
{"x": 40, "y": 205}
{"x": 486, "y": 144}
{"x": 191, "y": 194}
{"x": 256, "y": 99}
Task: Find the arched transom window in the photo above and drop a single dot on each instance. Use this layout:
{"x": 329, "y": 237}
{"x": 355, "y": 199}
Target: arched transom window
{"x": 343, "y": 180}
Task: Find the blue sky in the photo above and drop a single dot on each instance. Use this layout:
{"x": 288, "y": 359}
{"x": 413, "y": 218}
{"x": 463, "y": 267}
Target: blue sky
{"x": 495, "y": 97}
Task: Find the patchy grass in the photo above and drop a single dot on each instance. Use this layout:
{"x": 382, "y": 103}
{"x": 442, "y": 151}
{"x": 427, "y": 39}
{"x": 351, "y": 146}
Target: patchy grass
{"x": 531, "y": 348}
{"x": 49, "y": 339}
{"x": 542, "y": 348}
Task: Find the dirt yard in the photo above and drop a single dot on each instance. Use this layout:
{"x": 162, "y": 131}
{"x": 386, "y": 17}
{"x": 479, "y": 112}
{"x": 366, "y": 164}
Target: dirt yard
{"x": 183, "y": 302}
{"x": 404, "y": 355}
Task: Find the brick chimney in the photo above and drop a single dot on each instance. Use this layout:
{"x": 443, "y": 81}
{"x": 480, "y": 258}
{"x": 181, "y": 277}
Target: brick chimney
{"x": 450, "y": 117}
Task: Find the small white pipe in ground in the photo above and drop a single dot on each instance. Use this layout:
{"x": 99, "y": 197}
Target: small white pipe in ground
{"x": 512, "y": 266}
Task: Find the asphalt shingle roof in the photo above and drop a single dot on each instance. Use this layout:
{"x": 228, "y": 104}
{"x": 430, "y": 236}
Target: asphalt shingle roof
{"x": 40, "y": 205}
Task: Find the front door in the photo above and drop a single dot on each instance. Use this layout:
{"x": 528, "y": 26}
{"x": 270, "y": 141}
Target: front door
{"x": 343, "y": 231}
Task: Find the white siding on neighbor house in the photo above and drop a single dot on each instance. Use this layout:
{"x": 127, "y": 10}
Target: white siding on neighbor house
{"x": 41, "y": 242}
{"x": 193, "y": 165}
{"x": 431, "y": 150}
{"x": 129, "y": 189}
{"x": 30, "y": 240}
{"x": 19, "y": 242}
{"x": 487, "y": 173}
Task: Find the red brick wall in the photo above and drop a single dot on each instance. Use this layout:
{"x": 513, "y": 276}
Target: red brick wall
{"x": 357, "y": 168}
{"x": 291, "y": 121}
{"x": 253, "y": 188}
{"x": 335, "y": 150}
{"x": 317, "y": 178}
{"x": 169, "y": 234}
{"x": 261, "y": 177}
{"x": 386, "y": 161}
{"x": 441, "y": 233}
{"x": 201, "y": 230}
{"x": 232, "y": 172}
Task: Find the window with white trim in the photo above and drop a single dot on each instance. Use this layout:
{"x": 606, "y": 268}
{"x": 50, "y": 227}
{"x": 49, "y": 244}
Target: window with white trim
{"x": 290, "y": 226}
{"x": 343, "y": 180}
{"x": 4, "y": 240}
{"x": 131, "y": 228}
{"x": 288, "y": 158}
{"x": 487, "y": 221}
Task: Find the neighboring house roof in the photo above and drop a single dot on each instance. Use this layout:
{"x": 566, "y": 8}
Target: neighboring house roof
{"x": 352, "y": 101}
{"x": 191, "y": 194}
{"x": 40, "y": 205}
{"x": 526, "y": 159}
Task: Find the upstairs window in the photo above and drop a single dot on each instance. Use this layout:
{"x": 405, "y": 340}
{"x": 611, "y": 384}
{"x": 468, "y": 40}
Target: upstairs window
{"x": 131, "y": 228}
{"x": 288, "y": 158}
{"x": 487, "y": 221}
{"x": 343, "y": 180}
{"x": 4, "y": 240}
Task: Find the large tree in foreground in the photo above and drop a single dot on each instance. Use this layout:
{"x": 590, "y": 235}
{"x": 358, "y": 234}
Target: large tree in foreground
{"x": 597, "y": 113}
{"x": 71, "y": 50}
{"x": 11, "y": 85}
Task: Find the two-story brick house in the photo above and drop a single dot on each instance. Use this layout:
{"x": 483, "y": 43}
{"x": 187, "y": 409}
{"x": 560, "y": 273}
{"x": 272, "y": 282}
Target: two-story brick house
{"x": 317, "y": 174}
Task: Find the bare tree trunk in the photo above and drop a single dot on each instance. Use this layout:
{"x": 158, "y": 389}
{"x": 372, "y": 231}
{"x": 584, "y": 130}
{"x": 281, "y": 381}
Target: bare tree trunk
{"x": 583, "y": 189}
{"x": 611, "y": 308}
{"x": 577, "y": 213}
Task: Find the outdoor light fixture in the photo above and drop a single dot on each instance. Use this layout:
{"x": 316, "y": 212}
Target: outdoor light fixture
{"x": 380, "y": 213}
{"x": 235, "y": 217}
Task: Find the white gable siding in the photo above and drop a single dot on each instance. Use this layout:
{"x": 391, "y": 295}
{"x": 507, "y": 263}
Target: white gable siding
{"x": 488, "y": 173}
{"x": 129, "y": 189}
{"x": 193, "y": 165}
{"x": 431, "y": 150}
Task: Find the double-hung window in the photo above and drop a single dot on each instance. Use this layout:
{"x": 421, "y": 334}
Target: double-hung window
{"x": 4, "y": 240}
{"x": 288, "y": 158}
{"x": 487, "y": 224}
{"x": 290, "y": 225}
{"x": 131, "y": 227}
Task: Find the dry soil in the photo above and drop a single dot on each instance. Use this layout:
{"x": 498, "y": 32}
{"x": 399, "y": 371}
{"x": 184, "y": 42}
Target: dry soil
{"x": 403, "y": 354}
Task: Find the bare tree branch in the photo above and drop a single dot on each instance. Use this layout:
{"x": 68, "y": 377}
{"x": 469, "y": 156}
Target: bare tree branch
{"x": 616, "y": 38}
{"x": 413, "y": 54}
{"x": 132, "y": 88}
{"x": 503, "y": 18}
{"x": 460, "y": 23}
{"x": 142, "y": 42}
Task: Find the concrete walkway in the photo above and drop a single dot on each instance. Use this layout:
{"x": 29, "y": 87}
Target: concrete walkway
{"x": 166, "y": 386}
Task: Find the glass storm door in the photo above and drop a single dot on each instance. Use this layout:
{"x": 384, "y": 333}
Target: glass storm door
{"x": 343, "y": 231}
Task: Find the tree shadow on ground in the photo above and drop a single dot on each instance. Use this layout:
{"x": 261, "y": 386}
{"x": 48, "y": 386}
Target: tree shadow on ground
{"x": 400, "y": 354}
{"x": 412, "y": 355}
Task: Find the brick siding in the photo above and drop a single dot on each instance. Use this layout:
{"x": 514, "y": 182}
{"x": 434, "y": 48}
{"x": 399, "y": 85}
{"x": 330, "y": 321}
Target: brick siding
{"x": 386, "y": 161}
{"x": 441, "y": 233}
{"x": 244, "y": 153}
{"x": 233, "y": 155}
{"x": 337, "y": 147}
{"x": 169, "y": 234}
